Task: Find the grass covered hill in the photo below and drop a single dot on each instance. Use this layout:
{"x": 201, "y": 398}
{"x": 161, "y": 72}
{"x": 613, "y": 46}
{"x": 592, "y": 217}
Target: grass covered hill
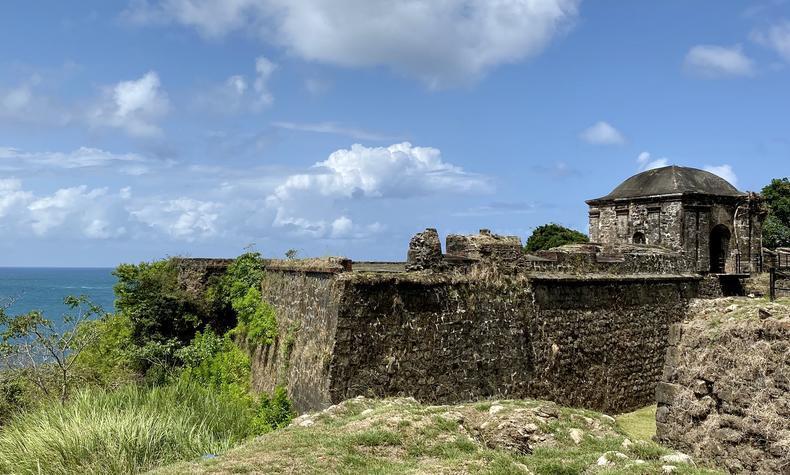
{"x": 396, "y": 436}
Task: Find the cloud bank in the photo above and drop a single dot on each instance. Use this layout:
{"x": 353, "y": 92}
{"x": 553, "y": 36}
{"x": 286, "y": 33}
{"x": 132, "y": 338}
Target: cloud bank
{"x": 441, "y": 43}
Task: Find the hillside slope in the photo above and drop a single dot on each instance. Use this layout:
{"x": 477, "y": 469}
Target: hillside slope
{"x": 402, "y": 436}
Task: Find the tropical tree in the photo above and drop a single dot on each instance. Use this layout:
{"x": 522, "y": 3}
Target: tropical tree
{"x": 46, "y": 352}
{"x": 553, "y": 235}
{"x": 776, "y": 229}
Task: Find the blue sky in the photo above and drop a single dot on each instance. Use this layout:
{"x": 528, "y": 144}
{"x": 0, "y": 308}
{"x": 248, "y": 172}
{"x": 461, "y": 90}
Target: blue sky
{"x": 134, "y": 130}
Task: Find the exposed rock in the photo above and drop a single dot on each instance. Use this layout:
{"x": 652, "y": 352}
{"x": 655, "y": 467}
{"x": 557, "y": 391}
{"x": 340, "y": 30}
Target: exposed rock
{"x": 495, "y": 409}
{"x": 576, "y": 435}
{"x": 608, "y": 419}
{"x": 626, "y": 443}
{"x": 677, "y": 457}
{"x": 515, "y": 430}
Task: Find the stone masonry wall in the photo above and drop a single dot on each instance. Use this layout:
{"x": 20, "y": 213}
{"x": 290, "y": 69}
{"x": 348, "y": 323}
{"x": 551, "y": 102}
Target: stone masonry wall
{"x": 432, "y": 338}
{"x": 599, "y": 342}
{"x": 590, "y": 342}
{"x": 724, "y": 395}
{"x": 306, "y": 305}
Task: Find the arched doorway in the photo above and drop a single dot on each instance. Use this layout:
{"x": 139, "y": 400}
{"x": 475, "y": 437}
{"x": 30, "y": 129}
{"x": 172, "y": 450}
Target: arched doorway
{"x": 719, "y": 248}
{"x": 639, "y": 238}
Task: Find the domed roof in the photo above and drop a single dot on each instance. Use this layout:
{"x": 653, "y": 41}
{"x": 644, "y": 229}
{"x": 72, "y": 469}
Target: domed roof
{"x": 672, "y": 180}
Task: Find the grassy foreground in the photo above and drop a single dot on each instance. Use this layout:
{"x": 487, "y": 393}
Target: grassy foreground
{"x": 640, "y": 424}
{"x": 130, "y": 430}
{"x": 401, "y": 436}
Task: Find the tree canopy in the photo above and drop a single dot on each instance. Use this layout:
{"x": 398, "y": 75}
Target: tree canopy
{"x": 776, "y": 229}
{"x": 553, "y": 235}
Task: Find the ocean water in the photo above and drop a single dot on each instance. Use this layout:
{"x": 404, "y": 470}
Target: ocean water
{"x": 40, "y": 288}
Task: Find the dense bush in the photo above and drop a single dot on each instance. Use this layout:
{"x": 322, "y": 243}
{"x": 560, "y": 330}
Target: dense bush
{"x": 157, "y": 308}
{"x": 129, "y": 430}
{"x": 240, "y": 286}
{"x": 160, "y": 317}
{"x": 553, "y": 235}
{"x": 215, "y": 362}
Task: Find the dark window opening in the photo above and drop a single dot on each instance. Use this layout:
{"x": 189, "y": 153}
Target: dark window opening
{"x": 639, "y": 238}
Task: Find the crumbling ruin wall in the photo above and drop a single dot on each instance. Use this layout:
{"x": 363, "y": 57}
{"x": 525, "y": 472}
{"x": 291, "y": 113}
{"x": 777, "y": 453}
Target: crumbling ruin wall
{"x": 588, "y": 342}
{"x": 724, "y": 395}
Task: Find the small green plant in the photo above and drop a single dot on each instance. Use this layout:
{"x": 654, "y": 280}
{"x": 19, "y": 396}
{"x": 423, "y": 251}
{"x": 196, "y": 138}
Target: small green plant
{"x": 274, "y": 412}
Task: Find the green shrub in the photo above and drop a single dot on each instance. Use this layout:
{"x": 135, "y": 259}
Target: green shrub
{"x": 130, "y": 430}
{"x": 108, "y": 360}
{"x": 553, "y": 235}
{"x": 162, "y": 316}
{"x": 240, "y": 288}
{"x": 16, "y": 395}
{"x": 257, "y": 323}
{"x": 776, "y": 230}
{"x": 215, "y": 362}
{"x": 157, "y": 308}
{"x": 274, "y": 412}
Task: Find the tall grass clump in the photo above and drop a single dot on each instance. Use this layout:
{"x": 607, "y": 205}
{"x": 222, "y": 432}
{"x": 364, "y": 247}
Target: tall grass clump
{"x": 130, "y": 430}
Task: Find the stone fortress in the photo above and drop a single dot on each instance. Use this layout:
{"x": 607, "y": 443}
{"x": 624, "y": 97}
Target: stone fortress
{"x": 584, "y": 325}
{"x": 684, "y": 209}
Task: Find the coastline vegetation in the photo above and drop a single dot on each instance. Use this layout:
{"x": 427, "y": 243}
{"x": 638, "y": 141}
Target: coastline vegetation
{"x": 165, "y": 378}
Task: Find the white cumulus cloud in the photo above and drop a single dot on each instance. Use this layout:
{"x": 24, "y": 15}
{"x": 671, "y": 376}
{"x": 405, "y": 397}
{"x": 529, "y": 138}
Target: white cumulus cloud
{"x": 442, "y": 42}
{"x": 711, "y": 61}
{"x": 602, "y": 133}
{"x": 776, "y": 37}
{"x": 134, "y": 106}
{"x": 12, "y": 197}
{"x": 181, "y": 218}
{"x": 78, "y": 209}
{"x": 399, "y": 171}
{"x": 725, "y": 171}
{"x": 646, "y": 162}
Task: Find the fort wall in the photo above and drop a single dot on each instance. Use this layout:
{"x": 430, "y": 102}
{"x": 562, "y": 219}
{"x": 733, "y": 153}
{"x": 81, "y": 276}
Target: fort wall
{"x": 593, "y": 341}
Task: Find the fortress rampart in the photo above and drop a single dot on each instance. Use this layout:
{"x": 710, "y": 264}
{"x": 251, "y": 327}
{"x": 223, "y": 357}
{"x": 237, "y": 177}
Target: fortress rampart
{"x": 582, "y": 325}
